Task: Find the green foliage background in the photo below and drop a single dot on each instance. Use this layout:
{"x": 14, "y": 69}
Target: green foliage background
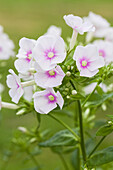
{"x": 31, "y": 18}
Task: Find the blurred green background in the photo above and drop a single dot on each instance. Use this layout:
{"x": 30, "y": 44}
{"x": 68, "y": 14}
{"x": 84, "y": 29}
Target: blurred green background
{"x": 31, "y": 18}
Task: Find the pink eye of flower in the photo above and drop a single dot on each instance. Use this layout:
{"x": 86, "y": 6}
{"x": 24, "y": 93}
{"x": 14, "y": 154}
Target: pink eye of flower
{"x": 84, "y": 63}
{"x": 51, "y": 97}
{"x": 50, "y": 54}
{"x": 102, "y": 53}
{"x": 29, "y": 56}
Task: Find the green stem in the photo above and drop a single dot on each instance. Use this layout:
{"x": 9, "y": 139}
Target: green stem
{"x": 81, "y": 132}
{"x": 89, "y": 95}
{"x": 81, "y": 127}
{"x": 66, "y": 126}
{"x": 32, "y": 158}
{"x": 63, "y": 161}
{"x": 96, "y": 146}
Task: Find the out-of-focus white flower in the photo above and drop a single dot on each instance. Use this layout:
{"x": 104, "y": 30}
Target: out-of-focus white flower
{"x": 49, "y": 51}
{"x": 53, "y": 30}
{"x": 99, "y": 23}
{"x": 105, "y": 49}
{"x": 1, "y": 88}
{"x": 50, "y": 78}
{"x": 88, "y": 60}
{"x": 13, "y": 82}
{"x": 6, "y": 46}
{"x": 88, "y": 89}
{"x": 47, "y": 100}
{"x": 25, "y": 57}
{"x": 109, "y": 34}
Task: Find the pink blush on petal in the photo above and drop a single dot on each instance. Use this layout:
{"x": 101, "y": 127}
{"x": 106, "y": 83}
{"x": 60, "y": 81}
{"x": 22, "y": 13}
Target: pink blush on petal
{"x": 0, "y": 49}
{"x": 102, "y": 53}
{"x": 28, "y": 59}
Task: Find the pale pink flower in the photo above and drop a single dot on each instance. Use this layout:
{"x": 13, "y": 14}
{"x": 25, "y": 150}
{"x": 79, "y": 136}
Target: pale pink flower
{"x": 50, "y": 78}
{"x": 13, "y": 82}
{"x": 78, "y": 24}
{"x": 53, "y": 30}
{"x": 25, "y": 57}
{"x": 88, "y": 60}
{"x": 105, "y": 49}
{"x": 47, "y": 100}
{"x": 49, "y": 51}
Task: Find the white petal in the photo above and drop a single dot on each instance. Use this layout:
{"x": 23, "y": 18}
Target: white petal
{"x": 87, "y": 73}
{"x": 22, "y": 65}
{"x": 60, "y": 100}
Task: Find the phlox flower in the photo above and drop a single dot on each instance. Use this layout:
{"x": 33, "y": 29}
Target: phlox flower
{"x": 53, "y": 30}
{"x": 105, "y": 49}
{"x": 6, "y": 46}
{"x": 100, "y": 24}
{"x": 78, "y": 25}
{"x": 49, "y": 78}
{"x": 88, "y": 60}
{"x": 13, "y": 82}
{"x": 88, "y": 89}
{"x": 25, "y": 57}
{"x": 47, "y": 100}
{"x": 49, "y": 51}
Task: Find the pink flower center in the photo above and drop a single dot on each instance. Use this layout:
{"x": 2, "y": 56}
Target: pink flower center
{"x": 84, "y": 62}
{"x": 29, "y": 56}
{"x": 51, "y": 98}
{"x": 102, "y": 53}
{"x": 51, "y": 73}
{"x": 50, "y": 54}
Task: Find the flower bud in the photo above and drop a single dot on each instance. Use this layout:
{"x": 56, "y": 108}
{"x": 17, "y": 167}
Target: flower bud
{"x": 22, "y": 129}
{"x": 68, "y": 73}
{"x": 68, "y": 97}
{"x": 21, "y": 112}
{"x": 104, "y": 107}
{"x": 74, "y": 92}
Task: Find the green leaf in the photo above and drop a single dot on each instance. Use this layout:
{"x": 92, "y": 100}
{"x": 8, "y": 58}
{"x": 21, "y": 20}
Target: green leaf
{"x": 75, "y": 159}
{"x": 77, "y": 96}
{"x": 105, "y": 130}
{"x": 101, "y": 157}
{"x": 61, "y": 138}
{"x": 97, "y": 99}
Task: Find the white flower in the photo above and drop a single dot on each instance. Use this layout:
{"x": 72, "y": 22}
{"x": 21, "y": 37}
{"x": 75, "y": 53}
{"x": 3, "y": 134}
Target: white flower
{"x": 53, "y": 30}
{"x": 88, "y": 60}
{"x": 109, "y": 34}
{"x": 25, "y": 61}
{"x": 78, "y": 24}
{"x": 105, "y": 50}
{"x": 47, "y": 100}
{"x": 6, "y": 46}
{"x": 49, "y": 51}
{"x": 50, "y": 78}
{"x": 13, "y": 82}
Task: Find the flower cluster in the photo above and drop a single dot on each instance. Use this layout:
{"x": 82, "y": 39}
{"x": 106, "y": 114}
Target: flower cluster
{"x": 41, "y": 63}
